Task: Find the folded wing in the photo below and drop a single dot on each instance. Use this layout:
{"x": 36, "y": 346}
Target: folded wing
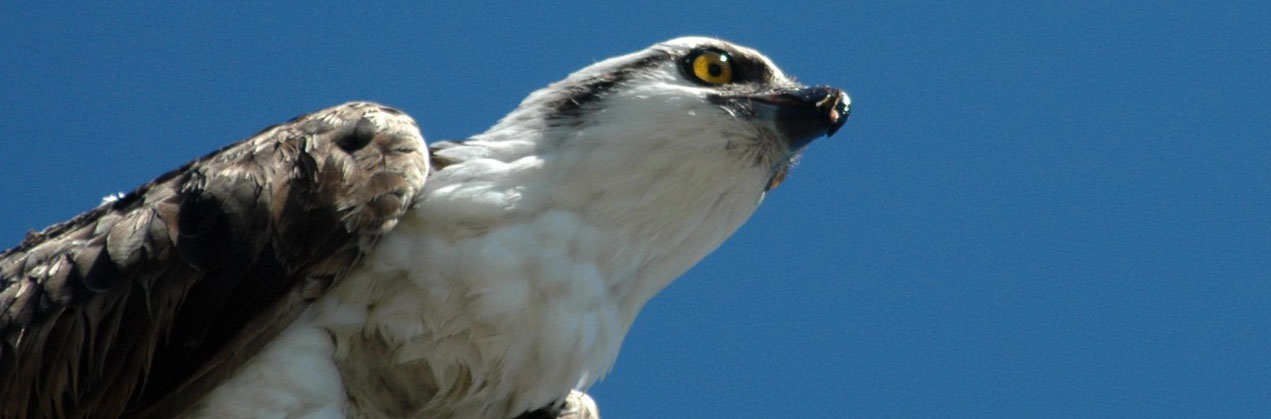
{"x": 143, "y": 304}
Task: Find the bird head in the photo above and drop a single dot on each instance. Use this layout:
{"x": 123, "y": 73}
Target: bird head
{"x": 687, "y": 100}
{"x": 688, "y": 126}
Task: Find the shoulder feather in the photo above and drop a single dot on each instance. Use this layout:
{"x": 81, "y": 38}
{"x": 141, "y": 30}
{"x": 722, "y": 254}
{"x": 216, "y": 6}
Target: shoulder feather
{"x": 141, "y": 305}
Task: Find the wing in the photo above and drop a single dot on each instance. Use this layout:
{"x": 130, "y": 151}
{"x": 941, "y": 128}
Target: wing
{"x": 142, "y": 305}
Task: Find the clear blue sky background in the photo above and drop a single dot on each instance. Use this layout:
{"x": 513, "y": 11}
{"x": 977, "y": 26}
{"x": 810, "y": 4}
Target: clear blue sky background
{"x": 1048, "y": 210}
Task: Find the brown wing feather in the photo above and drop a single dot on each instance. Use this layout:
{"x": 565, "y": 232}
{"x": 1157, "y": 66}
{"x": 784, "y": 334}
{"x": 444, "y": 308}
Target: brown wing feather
{"x": 140, "y": 306}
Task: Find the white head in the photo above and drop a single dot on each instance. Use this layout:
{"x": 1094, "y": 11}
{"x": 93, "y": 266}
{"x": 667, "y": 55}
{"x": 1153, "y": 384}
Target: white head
{"x": 697, "y": 101}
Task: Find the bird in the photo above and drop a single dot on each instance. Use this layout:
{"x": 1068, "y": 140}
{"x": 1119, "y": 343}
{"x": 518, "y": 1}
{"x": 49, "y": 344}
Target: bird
{"x": 337, "y": 265}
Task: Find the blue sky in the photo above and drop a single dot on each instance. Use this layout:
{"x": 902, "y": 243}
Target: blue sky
{"x": 1046, "y": 210}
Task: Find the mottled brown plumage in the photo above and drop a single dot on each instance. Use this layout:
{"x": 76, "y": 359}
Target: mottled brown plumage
{"x": 140, "y": 306}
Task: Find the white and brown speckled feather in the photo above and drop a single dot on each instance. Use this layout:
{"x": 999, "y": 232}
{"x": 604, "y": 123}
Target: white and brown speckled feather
{"x": 143, "y": 304}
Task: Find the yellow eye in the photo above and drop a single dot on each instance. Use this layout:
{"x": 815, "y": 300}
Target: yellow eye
{"x": 712, "y": 67}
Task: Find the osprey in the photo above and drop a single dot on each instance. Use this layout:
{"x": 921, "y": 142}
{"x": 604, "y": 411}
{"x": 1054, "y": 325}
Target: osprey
{"x": 336, "y": 266}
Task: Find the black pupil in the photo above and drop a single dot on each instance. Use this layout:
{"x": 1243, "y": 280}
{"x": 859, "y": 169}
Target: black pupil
{"x": 715, "y": 70}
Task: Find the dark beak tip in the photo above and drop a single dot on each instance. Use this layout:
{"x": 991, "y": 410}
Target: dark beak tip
{"x": 838, "y": 110}
{"x": 805, "y": 114}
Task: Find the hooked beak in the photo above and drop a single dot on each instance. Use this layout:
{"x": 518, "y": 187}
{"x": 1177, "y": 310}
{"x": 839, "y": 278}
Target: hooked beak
{"x": 803, "y": 115}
